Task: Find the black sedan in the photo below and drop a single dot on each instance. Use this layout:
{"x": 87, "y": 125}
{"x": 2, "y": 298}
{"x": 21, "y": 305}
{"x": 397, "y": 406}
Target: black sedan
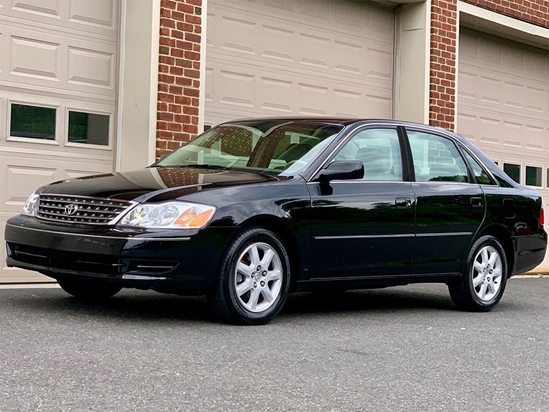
{"x": 254, "y": 209}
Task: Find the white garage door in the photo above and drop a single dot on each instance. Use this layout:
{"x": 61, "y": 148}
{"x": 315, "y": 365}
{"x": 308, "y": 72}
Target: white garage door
{"x": 292, "y": 57}
{"x": 503, "y": 105}
{"x": 58, "y": 66}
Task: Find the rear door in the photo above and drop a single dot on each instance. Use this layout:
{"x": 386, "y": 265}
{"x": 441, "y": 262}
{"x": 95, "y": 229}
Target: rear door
{"x": 363, "y": 228}
{"x": 450, "y": 205}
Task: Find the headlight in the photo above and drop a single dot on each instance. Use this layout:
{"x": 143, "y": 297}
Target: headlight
{"x": 31, "y": 205}
{"x": 171, "y": 215}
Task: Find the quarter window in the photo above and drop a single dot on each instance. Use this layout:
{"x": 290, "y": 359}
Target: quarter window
{"x": 32, "y": 122}
{"x": 480, "y": 174}
{"x": 512, "y": 170}
{"x": 378, "y": 150}
{"x": 436, "y": 159}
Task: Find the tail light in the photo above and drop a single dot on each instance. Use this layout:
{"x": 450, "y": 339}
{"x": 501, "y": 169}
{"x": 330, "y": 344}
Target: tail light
{"x": 541, "y": 217}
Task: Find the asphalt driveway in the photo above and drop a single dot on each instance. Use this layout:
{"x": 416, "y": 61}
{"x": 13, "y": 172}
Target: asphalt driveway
{"x": 396, "y": 349}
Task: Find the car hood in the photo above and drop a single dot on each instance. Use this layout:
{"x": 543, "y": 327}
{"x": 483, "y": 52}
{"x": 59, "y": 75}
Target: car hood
{"x": 154, "y": 184}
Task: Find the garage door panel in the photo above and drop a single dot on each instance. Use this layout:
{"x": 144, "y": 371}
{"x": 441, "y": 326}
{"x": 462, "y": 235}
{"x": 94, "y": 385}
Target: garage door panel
{"x": 503, "y": 102}
{"x": 34, "y": 58}
{"x": 285, "y": 41}
{"x": 49, "y": 9}
{"x": 248, "y": 92}
{"x": 274, "y": 59}
{"x": 20, "y": 181}
{"x": 477, "y": 86}
{"x": 92, "y": 16}
{"x": 88, "y": 67}
{"x": 54, "y": 61}
{"x": 58, "y": 56}
{"x": 22, "y": 175}
{"x": 480, "y": 125}
{"x": 378, "y": 107}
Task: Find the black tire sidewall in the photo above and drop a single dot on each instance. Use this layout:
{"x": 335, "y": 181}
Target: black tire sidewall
{"x": 240, "y": 244}
{"x": 479, "y": 244}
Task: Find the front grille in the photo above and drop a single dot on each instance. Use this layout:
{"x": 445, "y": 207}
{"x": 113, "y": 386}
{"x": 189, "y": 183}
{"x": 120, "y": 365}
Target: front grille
{"x": 80, "y": 209}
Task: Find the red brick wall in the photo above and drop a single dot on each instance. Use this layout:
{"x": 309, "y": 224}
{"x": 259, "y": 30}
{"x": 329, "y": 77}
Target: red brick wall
{"x": 442, "y": 85}
{"x": 178, "y": 73}
{"x": 531, "y": 11}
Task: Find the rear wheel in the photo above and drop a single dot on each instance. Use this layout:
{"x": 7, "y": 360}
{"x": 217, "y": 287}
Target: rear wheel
{"x": 254, "y": 279}
{"x": 89, "y": 291}
{"x": 484, "y": 279}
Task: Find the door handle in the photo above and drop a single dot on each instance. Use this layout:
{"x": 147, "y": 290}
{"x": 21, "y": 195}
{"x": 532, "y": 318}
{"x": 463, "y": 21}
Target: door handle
{"x": 476, "y": 202}
{"x": 403, "y": 202}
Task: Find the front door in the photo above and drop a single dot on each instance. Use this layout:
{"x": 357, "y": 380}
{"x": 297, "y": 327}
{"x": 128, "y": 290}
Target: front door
{"x": 362, "y": 229}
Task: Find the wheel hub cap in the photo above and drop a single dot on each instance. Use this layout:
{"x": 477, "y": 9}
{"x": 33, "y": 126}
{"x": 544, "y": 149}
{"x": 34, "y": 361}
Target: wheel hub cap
{"x": 258, "y": 277}
{"x": 487, "y": 273}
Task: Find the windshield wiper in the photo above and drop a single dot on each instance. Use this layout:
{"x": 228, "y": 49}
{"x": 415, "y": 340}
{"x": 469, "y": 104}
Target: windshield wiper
{"x": 198, "y": 166}
{"x": 206, "y": 166}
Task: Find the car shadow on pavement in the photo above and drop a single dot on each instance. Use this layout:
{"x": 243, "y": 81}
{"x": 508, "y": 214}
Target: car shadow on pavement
{"x": 128, "y": 305}
{"x": 373, "y": 300}
{"x": 133, "y": 305}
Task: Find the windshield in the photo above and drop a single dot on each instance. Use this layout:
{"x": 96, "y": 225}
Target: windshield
{"x": 272, "y": 147}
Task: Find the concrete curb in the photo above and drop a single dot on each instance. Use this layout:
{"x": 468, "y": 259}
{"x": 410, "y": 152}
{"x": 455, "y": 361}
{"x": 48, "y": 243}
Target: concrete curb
{"x": 30, "y": 286}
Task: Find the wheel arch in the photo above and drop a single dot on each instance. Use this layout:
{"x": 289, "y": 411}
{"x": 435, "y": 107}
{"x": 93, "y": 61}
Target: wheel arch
{"x": 502, "y": 234}
{"x": 288, "y": 237}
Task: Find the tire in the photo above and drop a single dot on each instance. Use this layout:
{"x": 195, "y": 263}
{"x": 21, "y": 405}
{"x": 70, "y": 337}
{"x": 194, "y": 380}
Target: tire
{"x": 484, "y": 279}
{"x": 254, "y": 279}
{"x": 89, "y": 291}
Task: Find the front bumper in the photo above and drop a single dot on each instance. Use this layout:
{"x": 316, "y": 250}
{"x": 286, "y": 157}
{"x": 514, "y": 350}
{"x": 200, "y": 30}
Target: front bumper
{"x": 186, "y": 260}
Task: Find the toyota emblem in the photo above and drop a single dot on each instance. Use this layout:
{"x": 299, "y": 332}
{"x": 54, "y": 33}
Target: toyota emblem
{"x": 71, "y": 209}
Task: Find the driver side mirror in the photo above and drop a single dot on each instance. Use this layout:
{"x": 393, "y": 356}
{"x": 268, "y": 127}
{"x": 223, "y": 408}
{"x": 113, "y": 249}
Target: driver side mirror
{"x": 342, "y": 171}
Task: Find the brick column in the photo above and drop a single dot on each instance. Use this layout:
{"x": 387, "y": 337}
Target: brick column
{"x": 178, "y": 73}
{"x": 442, "y": 83}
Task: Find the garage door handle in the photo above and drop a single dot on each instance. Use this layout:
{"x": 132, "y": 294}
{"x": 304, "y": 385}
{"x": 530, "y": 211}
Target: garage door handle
{"x": 403, "y": 202}
{"x": 476, "y": 202}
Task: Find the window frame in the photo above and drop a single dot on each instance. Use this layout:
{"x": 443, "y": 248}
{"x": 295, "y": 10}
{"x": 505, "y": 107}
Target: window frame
{"x": 483, "y": 167}
{"x": 66, "y": 143}
{"x": 58, "y": 123}
{"x": 458, "y": 146}
{"x": 401, "y": 144}
{"x": 521, "y": 170}
{"x": 538, "y": 166}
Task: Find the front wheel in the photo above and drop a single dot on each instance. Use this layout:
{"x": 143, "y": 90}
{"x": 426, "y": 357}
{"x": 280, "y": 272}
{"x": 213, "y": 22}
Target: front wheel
{"x": 254, "y": 279}
{"x": 89, "y": 291}
{"x": 484, "y": 279}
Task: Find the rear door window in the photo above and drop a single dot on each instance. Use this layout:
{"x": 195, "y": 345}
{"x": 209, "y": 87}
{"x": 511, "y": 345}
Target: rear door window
{"x": 436, "y": 158}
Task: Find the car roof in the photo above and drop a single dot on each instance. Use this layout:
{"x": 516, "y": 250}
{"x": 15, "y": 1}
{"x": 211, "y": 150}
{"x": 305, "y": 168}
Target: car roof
{"x": 343, "y": 121}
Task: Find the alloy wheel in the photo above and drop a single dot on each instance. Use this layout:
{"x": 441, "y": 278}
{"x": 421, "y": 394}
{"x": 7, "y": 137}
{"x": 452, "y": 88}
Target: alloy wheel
{"x": 487, "y": 273}
{"x": 258, "y": 277}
